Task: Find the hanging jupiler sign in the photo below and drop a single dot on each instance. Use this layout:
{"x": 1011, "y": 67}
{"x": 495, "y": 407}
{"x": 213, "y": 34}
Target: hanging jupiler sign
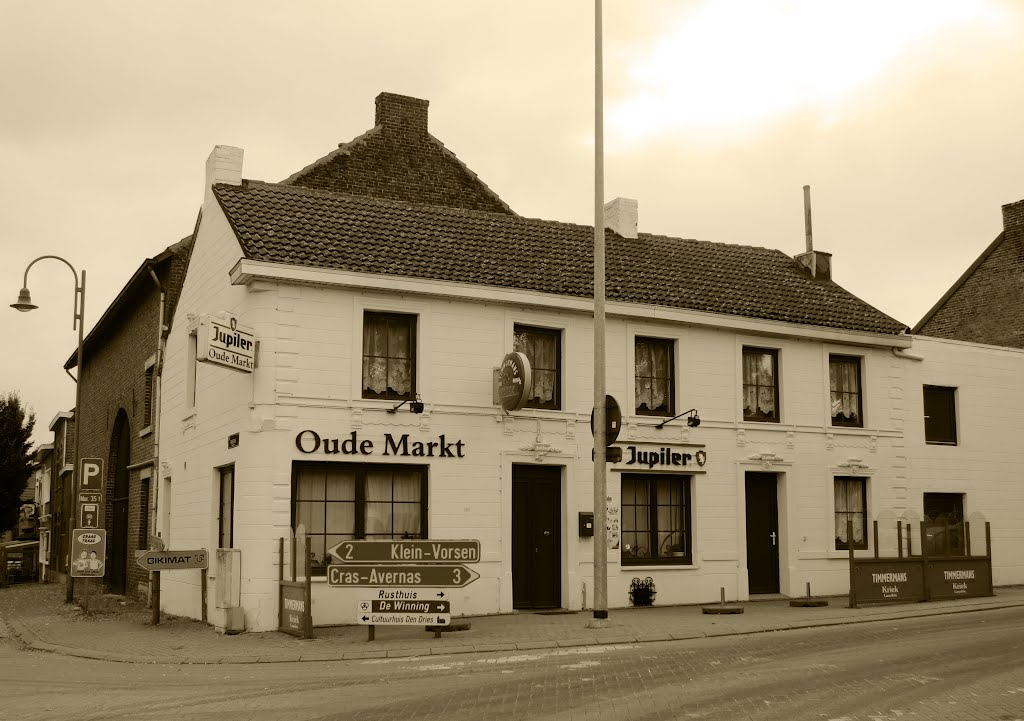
{"x": 515, "y": 381}
{"x": 224, "y": 342}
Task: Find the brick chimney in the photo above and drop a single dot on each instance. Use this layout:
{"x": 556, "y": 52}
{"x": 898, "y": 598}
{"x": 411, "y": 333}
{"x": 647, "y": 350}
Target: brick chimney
{"x": 1013, "y": 217}
{"x": 621, "y": 216}
{"x": 401, "y": 113}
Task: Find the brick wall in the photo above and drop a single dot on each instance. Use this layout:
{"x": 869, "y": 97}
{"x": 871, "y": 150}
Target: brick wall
{"x": 114, "y": 386}
{"x": 400, "y": 160}
{"x": 989, "y": 306}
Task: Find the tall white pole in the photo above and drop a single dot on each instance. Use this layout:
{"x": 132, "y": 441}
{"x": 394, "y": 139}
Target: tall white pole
{"x": 600, "y": 469}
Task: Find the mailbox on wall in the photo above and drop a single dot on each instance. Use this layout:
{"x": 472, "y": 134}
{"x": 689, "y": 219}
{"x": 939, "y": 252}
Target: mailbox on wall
{"x": 586, "y": 524}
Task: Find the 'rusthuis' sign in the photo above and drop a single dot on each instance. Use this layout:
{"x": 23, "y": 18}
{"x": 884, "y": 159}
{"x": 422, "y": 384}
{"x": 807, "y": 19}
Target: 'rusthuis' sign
{"x": 226, "y": 343}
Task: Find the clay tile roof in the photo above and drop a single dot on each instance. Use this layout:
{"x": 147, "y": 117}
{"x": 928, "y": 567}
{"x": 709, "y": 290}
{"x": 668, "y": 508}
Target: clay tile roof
{"x": 300, "y": 226}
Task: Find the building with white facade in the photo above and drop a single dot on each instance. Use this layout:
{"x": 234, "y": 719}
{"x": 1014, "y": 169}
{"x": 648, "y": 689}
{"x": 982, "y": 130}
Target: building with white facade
{"x": 364, "y": 302}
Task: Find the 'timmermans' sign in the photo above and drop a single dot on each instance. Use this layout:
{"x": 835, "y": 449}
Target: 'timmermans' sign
{"x": 226, "y": 343}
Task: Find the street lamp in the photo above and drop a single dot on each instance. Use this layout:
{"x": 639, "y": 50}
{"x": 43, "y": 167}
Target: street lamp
{"x": 25, "y": 304}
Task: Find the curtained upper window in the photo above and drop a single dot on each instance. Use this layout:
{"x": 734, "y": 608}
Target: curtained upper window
{"x": 653, "y": 376}
{"x": 844, "y": 387}
{"x": 543, "y": 348}
{"x": 760, "y": 385}
{"x": 389, "y": 356}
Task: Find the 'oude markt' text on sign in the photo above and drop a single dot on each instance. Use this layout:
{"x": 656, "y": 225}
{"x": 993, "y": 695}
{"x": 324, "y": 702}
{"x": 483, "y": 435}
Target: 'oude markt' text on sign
{"x": 310, "y": 442}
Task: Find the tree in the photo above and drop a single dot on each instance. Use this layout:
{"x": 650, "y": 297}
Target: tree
{"x": 15, "y": 457}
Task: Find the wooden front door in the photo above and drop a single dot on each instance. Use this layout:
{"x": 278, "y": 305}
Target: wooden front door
{"x": 536, "y": 533}
{"x": 762, "y": 532}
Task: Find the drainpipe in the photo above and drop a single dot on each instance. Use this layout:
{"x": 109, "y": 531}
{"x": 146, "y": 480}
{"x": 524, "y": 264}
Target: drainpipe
{"x": 901, "y": 353}
{"x": 157, "y": 385}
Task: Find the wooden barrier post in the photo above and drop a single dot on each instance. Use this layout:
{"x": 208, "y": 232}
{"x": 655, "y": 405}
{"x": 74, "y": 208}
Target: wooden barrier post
{"x": 874, "y": 525}
{"x": 924, "y": 562}
{"x": 203, "y": 581}
{"x": 910, "y": 540}
{"x": 853, "y": 579}
{"x": 899, "y": 540}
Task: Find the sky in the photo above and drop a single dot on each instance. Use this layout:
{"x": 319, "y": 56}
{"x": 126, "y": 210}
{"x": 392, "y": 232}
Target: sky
{"x": 904, "y": 117}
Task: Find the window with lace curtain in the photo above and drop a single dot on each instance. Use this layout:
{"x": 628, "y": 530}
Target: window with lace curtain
{"x": 543, "y": 348}
{"x": 343, "y": 501}
{"x": 389, "y": 355}
{"x": 653, "y": 376}
{"x": 851, "y": 502}
{"x": 760, "y": 385}
{"x": 844, "y": 388}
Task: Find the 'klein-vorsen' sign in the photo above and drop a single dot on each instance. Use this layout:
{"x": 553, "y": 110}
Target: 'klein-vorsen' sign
{"x": 407, "y": 551}
{"x": 310, "y": 442}
{"x": 226, "y": 343}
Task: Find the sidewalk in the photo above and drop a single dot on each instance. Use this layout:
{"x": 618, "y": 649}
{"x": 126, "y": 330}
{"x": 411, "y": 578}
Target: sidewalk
{"x": 37, "y": 617}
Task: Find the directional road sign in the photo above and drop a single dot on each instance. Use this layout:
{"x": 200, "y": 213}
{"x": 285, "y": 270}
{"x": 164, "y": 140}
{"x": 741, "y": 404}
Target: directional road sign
{"x": 397, "y": 606}
{"x": 173, "y": 560}
{"x": 405, "y": 619}
{"x": 411, "y": 551}
{"x": 361, "y": 576}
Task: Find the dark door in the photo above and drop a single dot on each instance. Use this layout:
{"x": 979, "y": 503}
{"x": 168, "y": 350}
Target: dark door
{"x": 536, "y": 530}
{"x": 762, "y": 533}
{"x": 117, "y": 578}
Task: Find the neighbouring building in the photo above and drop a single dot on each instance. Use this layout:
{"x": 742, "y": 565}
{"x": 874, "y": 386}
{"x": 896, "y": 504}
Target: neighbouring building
{"x": 61, "y": 495}
{"x": 334, "y": 360}
{"x": 120, "y": 410}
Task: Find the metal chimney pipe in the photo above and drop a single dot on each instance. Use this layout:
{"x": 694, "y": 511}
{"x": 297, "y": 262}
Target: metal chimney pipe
{"x": 808, "y": 234}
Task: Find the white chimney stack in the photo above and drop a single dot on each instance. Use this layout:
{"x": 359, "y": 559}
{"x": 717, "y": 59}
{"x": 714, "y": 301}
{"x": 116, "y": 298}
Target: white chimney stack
{"x": 620, "y": 215}
{"x": 223, "y": 166}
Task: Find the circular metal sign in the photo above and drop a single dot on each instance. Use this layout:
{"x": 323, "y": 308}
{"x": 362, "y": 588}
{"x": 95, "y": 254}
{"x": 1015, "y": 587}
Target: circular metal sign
{"x": 515, "y": 381}
{"x": 612, "y": 420}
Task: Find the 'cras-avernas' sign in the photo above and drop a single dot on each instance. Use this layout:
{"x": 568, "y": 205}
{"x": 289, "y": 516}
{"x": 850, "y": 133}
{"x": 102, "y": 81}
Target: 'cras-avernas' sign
{"x": 310, "y": 442}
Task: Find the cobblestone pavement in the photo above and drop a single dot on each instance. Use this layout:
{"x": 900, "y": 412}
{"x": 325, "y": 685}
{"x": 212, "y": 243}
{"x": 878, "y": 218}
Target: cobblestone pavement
{"x": 960, "y": 667}
{"x": 38, "y": 617}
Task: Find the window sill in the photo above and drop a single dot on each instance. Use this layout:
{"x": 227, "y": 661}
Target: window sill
{"x": 146, "y": 431}
{"x": 940, "y": 443}
{"x": 659, "y": 566}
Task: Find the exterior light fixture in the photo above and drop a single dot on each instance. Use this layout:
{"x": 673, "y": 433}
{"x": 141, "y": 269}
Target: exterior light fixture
{"x": 416, "y": 406}
{"x": 692, "y": 421}
{"x": 25, "y": 304}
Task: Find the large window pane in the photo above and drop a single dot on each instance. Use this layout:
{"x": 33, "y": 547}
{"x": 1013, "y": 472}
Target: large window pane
{"x": 850, "y": 508}
{"x": 844, "y": 386}
{"x": 335, "y": 501}
{"x": 940, "y": 415}
{"x": 655, "y": 519}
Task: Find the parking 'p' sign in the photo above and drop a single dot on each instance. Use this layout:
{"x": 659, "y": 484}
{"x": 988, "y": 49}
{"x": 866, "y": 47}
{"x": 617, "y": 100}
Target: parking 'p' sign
{"x": 92, "y": 474}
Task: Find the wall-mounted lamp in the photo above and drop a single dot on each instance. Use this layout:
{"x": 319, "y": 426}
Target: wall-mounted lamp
{"x": 692, "y": 421}
{"x": 416, "y": 406}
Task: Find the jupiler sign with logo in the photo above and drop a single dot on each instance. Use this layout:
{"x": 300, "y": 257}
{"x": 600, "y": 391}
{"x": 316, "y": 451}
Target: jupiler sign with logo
{"x": 224, "y": 342}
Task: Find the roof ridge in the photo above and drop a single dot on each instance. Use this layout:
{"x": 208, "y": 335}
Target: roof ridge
{"x": 342, "y": 149}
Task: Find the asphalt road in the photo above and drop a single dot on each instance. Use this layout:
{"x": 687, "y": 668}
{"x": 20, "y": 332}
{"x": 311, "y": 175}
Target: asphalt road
{"x": 963, "y": 666}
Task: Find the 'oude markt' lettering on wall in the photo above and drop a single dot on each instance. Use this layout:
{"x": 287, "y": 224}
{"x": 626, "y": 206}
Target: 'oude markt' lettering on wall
{"x": 310, "y": 442}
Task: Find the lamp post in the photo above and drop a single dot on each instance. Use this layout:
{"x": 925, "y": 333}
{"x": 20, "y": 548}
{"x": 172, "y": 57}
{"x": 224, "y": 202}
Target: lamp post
{"x": 25, "y": 304}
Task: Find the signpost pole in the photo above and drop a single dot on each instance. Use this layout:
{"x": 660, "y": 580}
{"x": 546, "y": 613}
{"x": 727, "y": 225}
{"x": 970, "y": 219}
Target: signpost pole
{"x": 600, "y": 469}
{"x": 156, "y": 598}
{"x": 204, "y": 582}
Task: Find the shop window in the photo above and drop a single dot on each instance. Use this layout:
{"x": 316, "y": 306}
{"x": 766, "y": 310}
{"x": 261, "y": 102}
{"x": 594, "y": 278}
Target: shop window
{"x": 389, "y": 356}
{"x": 653, "y": 376}
{"x": 543, "y": 348}
{"x": 944, "y": 524}
{"x": 845, "y": 390}
{"x": 940, "y": 415}
{"x": 656, "y": 520}
{"x": 340, "y": 501}
{"x": 760, "y": 385}
{"x": 851, "y": 502}
{"x": 226, "y": 506}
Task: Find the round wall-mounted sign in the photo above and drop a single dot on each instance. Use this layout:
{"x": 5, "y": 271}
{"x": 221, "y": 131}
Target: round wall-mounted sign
{"x": 515, "y": 381}
{"x": 612, "y": 420}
